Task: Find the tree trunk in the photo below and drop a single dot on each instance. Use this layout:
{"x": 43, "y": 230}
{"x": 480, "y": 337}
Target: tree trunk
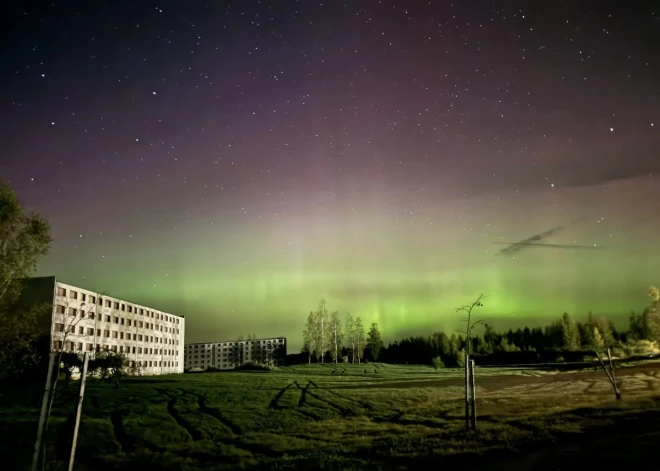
{"x": 473, "y": 389}
{"x": 467, "y": 392}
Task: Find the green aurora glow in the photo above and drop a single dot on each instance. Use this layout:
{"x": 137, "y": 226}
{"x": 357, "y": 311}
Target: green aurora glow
{"x": 407, "y": 275}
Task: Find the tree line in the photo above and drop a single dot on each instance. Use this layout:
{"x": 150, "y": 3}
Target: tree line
{"x": 325, "y": 337}
{"x": 563, "y": 338}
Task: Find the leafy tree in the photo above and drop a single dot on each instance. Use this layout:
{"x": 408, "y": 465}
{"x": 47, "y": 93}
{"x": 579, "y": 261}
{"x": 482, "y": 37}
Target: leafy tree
{"x": 437, "y": 363}
{"x": 596, "y": 333}
{"x": 527, "y": 339}
{"x": 70, "y": 362}
{"x": 359, "y": 339}
{"x": 492, "y": 341}
{"x": 637, "y": 327}
{"x": 374, "y": 341}
{"x": 24, "y": 239}
{"x": 20, "y": 351}
{"x": 459, "y": 358}
{"x": 441, "y": 344}
{"x": 321, "y": 331}
{"x": 652, "y": 315}
{"x": 309, "y": 335}
{"x": 349, "y": 335}
{"x": 109, "y": 366}
{"x": 569, "y": 333}
{"x": 335, "y": 335}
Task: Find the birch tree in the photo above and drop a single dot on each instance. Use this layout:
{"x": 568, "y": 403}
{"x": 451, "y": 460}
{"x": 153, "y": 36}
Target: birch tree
{"x": 309, "y": 335}
{"x": 360, "y": 342}
{"x": 335, "y": 335}
{"x": 321, "y": 331}
{"x": 349, "y": 335}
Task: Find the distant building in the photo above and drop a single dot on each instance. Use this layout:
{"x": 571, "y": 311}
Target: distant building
{"x": 92, "y": 322}
{"x": 232, "y": 354}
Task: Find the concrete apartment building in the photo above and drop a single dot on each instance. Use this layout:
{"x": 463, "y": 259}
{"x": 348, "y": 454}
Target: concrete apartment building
{"x": 231, "y": 354}
{"x": 93, "y": 322}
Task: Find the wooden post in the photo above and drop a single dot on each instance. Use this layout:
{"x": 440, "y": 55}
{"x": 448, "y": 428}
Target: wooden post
{"x": 474, "y": 396}
{"x": 467, "y": 391}
{"x": 44, "y": 408}
{"x": 83, "y": 379}
{"x": 616, "y": 386}
{"x": 609, "y": 376}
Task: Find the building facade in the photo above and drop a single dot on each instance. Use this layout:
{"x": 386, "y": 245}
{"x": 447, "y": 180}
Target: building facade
{"x": 232, "y": 354}
{"x": 83, "y": 320}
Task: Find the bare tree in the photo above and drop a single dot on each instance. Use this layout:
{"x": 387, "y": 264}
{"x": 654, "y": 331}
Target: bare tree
{"x": 469, "y": 372}
{"x": 335, "y": 335}
{"x": 349, "y": 335}
{"x": 360, "y": 342}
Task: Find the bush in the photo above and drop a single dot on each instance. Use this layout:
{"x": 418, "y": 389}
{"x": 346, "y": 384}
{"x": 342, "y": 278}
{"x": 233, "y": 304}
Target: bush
{"x": 459, "y": 358}
{"x": 437, "y": 363}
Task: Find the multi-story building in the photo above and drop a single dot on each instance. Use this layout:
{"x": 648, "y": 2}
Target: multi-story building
{"x": 84, "y": 320}
{"x": 232, "y": 354}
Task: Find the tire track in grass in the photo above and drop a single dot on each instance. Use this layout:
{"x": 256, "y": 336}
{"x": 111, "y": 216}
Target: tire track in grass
{"x": 309, "y": 415}
{"x": 274, "y": 404}
{"x": 95, "y": 402}
{"x": 195, "y": 434}
{"x": 120, "y": 432}
{"x": 305, "y": 391}
{"x": 215, "y": 413}
{"x": 365, "y": 405}
{"x": 236, "y": 441}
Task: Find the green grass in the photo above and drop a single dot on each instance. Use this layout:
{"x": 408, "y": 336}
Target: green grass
{"x": 372, "y": 416}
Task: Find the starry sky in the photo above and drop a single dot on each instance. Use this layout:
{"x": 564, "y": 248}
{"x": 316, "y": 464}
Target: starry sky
{"x": 236, "y": 162}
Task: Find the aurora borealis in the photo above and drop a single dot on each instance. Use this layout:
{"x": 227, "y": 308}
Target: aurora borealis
{"x": 236, "y": 162}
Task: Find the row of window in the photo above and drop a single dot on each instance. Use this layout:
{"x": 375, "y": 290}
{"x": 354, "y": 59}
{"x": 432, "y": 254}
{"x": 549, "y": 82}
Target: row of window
{"x": 59, "y": 309}
{"x": 59, "y": 328}
{"x": 78, "y": 346}
{"x": 62, "y": 292}
{"x": 225, "y": 356}
{"x": 198, "y": 346}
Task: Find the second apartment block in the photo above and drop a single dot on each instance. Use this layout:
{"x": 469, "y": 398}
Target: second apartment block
{"x": 232, "y": 354}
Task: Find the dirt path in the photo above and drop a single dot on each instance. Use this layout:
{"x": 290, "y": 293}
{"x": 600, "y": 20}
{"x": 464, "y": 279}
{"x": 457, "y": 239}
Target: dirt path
{"x": 496, "y": 382}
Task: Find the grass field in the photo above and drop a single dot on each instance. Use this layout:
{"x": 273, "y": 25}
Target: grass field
{"x": 373, "y": 416}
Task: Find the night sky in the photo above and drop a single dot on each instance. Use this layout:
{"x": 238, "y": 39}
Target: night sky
{"x": 235, "y": 162}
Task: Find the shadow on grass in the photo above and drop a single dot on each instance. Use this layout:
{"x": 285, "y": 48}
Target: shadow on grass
{"x": 148, "y": 381}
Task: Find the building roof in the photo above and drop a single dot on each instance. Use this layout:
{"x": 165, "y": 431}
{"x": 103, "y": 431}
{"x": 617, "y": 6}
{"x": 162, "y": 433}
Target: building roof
{"x": 101, "y": 294}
